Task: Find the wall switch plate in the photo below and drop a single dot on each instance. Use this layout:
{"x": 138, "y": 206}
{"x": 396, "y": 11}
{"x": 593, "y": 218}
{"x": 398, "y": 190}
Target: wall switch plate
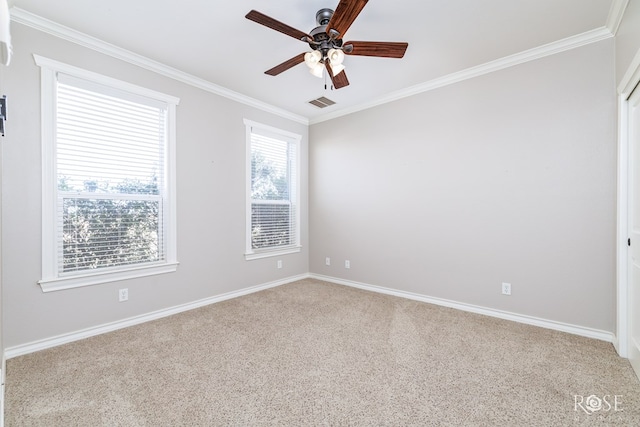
{"x": 123, "y": 294}
{"x": 347, "y": 264}
{"x": 279, "y": 263}
{"x": 506, "y": 289}
{"x": 327, "y": 261}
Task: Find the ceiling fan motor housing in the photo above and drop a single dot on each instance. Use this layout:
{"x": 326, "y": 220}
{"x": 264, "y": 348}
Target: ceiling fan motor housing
{"x": 321, "y": 40}
{"x": 324, "y": 16}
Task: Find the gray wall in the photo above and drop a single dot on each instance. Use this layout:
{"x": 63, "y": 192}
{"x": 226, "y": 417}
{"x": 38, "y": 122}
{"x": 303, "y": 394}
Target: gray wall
{"x": 627, "y": 38}
{"x": 2, "y": 355}
{"x": 505, "y": 177}
{"x": 508, "y": 177}
{"x": 210, "y": 193}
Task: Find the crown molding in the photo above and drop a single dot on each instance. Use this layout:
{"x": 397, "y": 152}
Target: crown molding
{"x": 29, "y": 19}
{"x": 631, "y": 77}
{"x": 616, "y": 14}
{"x": 549, "y": 49}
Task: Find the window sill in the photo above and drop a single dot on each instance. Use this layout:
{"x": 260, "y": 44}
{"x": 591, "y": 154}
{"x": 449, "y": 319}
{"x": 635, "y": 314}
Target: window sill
{"x": 272, "y": 252}
{"x": 70, "y": 282}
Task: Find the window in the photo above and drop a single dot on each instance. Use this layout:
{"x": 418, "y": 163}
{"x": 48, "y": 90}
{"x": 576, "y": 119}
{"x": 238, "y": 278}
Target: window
{"x": 108, "y": 179}
{"x": 273, "y": 225}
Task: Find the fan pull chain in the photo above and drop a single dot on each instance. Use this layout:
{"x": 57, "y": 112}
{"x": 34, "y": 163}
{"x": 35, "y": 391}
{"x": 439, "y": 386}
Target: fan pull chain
{"x": 325, "y": 81}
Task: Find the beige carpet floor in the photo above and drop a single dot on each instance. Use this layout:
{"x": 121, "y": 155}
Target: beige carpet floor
{"x": 317, "y": 354}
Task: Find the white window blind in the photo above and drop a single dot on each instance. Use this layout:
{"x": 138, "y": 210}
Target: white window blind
{"x": 273, "y": 219}
{"x": 110, "y": 176}
{"x": 108, "y": 179}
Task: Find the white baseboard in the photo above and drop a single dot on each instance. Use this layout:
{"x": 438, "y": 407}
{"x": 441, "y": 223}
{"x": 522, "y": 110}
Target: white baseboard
{"x": 2, "y": 377}
{"x": 520, "y": 318}
{"x": 136, "y": 320}
{"x": 616, "y": 344}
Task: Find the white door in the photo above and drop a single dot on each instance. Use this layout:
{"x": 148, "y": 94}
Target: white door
{"x": 633, "y": 313}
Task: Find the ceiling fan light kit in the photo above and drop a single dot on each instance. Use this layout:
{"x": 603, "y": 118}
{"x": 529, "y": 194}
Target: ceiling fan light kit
{"x": 317, "y": 70}
{"x": 328, "y": 49}
{"x": 312, "y": 58}
{"x": 335, "y": 56}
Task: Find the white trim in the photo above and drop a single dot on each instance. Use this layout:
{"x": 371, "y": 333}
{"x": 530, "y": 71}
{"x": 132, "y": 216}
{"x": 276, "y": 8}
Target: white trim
{"x": 271, "y": 253}
{"x": 29, "y": 19}
{"x": 52, "y": 279}
{"x": 500, "y": 314}
{"x": 171, "y": 173}
{"x": 247, "y": 187}
{"x": 628, "y": 83}
{"x": 46, "y": 343}
{"x": 81, "y": 73}
{"x": 2, "y": 383}
{"x": 34, "y": 21}
{"x": 277, "y": 132}
{"x": 634, "y": 356}
{"x": 569, "y": 43}
{"x": 252, "y": 127}
{"x": 631, "y": 76}
{"x": 621, "y": 343}
{"x": 48, "y": 166}
{"x": 616, "y": 13}
{"x": 95, "y": 278}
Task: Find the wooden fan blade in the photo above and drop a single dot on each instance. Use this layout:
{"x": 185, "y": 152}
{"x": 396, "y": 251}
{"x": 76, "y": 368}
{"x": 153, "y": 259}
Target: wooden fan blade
{"x": 346, "y": 12}
{"x": 274, "y": 24}
{"x": 340, "y": 80}
{"x": 381, "y": 49}
{"x": 298, "y": 59}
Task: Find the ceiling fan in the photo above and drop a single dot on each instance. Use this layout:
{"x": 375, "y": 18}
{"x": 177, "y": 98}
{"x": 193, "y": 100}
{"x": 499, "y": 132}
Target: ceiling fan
{"x": 328, "y": 48}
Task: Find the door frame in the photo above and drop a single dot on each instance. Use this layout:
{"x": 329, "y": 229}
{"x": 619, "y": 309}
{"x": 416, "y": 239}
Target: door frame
{"x": 630, "y": 80}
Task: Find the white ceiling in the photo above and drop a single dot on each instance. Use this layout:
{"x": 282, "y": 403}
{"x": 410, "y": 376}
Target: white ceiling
{"x": 212, "y": 40}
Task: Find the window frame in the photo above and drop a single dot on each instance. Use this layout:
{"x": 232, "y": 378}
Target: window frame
{"x": 53, "y": 279}
{"x": 289, "y": 137}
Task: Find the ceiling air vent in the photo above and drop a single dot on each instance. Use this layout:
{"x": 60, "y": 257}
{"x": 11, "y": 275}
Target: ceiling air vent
{"x": 322, "y": 102}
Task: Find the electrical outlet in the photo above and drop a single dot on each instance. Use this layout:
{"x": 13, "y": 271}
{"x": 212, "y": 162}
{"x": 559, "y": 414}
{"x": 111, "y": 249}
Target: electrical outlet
{"x": 347, "y": 264}
{"x": 123, "y": 294}
{"x": 279, "y": 263}
{"x": 327, "y": 261}
{"x": 506, "y": 289}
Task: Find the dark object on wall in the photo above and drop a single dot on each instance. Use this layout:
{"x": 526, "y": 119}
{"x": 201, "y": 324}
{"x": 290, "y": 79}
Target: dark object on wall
{"x": 3, "y": 113}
